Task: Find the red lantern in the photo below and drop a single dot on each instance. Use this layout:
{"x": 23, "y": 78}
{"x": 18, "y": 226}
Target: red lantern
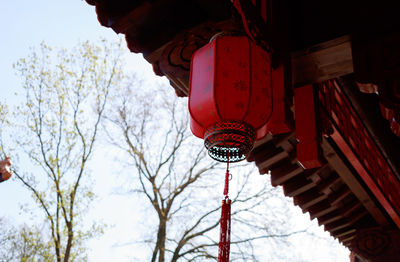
{"x": 5, "y": 172}
{"x": 230, "y": 96}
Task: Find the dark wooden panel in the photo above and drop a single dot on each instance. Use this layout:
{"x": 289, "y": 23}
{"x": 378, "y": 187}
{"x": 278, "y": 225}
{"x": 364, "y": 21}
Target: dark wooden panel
{"x": 330, "y": 217}
{"x": 320, "y": 209}
{"x": 343, "y": 232}
{"x": 325, "y": 185}
{"x": 284, "y": 172}
{"x": 336, "y": 197}
{"x": 308, "y": 198}
{"x": 297, "y": 185}
{"x": 336, "y": 225}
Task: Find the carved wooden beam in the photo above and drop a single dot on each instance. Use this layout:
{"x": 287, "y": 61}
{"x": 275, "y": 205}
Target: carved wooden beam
{"x": 322, "y": 62}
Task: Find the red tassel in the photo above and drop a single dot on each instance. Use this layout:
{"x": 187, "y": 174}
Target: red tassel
{"x": 225, "y": 236}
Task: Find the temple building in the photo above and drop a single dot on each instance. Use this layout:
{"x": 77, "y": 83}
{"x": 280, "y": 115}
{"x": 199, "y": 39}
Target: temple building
{"x": 333, "y": 140}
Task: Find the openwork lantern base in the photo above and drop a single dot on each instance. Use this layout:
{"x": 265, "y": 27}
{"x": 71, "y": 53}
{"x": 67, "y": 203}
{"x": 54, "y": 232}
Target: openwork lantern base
{"x": 230, "y": 139}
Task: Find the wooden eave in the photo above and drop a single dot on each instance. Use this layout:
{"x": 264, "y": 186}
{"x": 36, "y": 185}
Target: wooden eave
{"x": 332, "y": 194}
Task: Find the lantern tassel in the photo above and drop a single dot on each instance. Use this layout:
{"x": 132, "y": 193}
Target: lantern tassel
{"x": 225, "y": 236}
{"x": 225, "y": 231}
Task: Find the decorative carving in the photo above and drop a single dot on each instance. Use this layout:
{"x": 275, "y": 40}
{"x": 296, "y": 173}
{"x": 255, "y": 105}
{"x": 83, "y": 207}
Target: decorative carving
{"x": 372, "y": 242}
{"x": 177, "y": 55}
{"x": 377, "y": 245}
{"x": 173, "y": 59}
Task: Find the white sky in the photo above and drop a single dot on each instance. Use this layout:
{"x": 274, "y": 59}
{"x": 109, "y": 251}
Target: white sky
{"x": 26, "y": 23}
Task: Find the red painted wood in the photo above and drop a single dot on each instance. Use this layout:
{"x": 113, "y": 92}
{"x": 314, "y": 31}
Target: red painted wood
{"x": 308, "y": 148}
{"x": 354, "y": 141}
{"x": 279, "y": 122}
{"x": 353, "y": 159}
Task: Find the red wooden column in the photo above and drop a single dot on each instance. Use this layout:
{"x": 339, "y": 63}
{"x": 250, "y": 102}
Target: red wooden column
{"x": 307, "y": 130}
{"x": 279, "y": 122}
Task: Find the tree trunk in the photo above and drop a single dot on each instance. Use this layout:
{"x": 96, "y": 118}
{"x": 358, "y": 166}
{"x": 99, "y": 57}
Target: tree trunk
{"x": 69, "y": 242}
{"x": 161, "y": 238}
{"x": 162, "y": 235}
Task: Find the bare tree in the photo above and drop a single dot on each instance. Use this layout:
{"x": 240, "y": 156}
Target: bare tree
{"x": 53, "y": 135}
{"x": 183, "y": 186}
